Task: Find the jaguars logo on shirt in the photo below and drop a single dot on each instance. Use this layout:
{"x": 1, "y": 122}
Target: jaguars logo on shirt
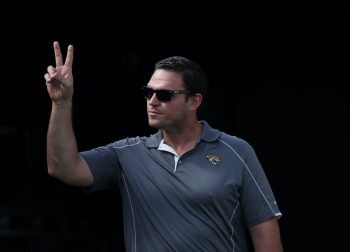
{"x": 214, "y": 159}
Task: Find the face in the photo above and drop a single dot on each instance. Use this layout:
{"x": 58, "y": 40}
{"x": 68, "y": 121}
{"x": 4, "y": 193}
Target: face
{"x": 168, "y": 114}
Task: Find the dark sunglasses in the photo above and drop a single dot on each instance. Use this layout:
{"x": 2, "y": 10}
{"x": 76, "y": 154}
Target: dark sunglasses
{"x": 163, "y": 95}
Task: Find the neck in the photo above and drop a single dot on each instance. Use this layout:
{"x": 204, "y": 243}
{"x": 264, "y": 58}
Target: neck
{"x": 184, "y": 138}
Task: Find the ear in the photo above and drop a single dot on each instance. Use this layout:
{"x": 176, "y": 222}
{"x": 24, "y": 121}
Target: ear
{"x": 194, "y": 101}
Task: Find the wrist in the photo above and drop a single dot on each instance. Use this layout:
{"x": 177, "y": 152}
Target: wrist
{"x": 62, "y": 105}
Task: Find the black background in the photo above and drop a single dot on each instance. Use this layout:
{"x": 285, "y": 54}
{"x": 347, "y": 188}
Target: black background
{"x": 278, "y": 78}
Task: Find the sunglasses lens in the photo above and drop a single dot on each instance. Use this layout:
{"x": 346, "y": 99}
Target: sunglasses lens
{"x": 147, "y": 92}
{"x": 163, "y": 95}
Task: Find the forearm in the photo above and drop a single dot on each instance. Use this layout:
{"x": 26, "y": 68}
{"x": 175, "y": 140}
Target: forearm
{"x": 62, "y": 151}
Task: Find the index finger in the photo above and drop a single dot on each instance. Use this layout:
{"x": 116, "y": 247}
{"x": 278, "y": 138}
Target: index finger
{"x": 58, "y": 54}
{"x": 69, "y": 58}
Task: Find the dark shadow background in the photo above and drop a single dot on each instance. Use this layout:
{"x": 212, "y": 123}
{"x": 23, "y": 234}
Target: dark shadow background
{"x": 278, "y": 78}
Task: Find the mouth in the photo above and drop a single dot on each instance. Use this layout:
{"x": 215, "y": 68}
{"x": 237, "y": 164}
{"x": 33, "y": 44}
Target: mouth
{"x": 153, "y": 112}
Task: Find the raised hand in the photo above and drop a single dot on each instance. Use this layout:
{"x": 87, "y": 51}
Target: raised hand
{"x": 59, "y": 79}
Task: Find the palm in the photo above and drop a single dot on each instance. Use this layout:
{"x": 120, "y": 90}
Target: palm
{"x": 62, "y": 86}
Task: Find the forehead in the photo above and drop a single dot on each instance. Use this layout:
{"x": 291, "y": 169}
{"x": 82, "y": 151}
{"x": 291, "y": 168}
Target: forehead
{"x": 165, "y": 79}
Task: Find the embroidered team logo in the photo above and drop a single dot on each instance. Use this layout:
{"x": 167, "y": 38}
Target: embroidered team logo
{"x": 214, "y": 159}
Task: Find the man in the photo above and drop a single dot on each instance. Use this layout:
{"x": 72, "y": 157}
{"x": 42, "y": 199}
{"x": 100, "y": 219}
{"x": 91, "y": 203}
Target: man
{"x": 188, "y": 187}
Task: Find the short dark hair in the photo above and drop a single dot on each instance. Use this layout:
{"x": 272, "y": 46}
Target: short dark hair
{"x": 193, "y": 76}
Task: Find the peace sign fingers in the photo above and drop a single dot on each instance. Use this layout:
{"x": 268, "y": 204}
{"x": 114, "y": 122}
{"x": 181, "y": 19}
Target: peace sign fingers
{"x": 59, "y": 79}
{"x": 58, "y": 55}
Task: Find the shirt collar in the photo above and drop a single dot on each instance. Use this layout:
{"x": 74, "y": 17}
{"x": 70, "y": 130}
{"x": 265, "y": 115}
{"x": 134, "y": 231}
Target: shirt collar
{"x": 209, "y": 134}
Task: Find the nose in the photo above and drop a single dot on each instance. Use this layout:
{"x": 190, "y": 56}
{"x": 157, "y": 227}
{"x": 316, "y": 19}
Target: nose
{"x": 153, "y": 100}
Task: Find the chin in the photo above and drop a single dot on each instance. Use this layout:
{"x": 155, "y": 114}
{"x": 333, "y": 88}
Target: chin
{"x": 154, "y": 123}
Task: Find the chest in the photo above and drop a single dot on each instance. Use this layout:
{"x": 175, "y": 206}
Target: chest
{"x": 201, "y": 176}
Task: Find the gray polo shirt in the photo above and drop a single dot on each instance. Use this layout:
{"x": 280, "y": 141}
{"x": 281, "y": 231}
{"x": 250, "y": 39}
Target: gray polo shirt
{"x": 202, "y": 202}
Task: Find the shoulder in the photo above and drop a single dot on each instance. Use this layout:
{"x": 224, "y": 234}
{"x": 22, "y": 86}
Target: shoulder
{"x": 237, "y": 144}
{"x": 128, "y": 142}
{"x": 232, "y": 142}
